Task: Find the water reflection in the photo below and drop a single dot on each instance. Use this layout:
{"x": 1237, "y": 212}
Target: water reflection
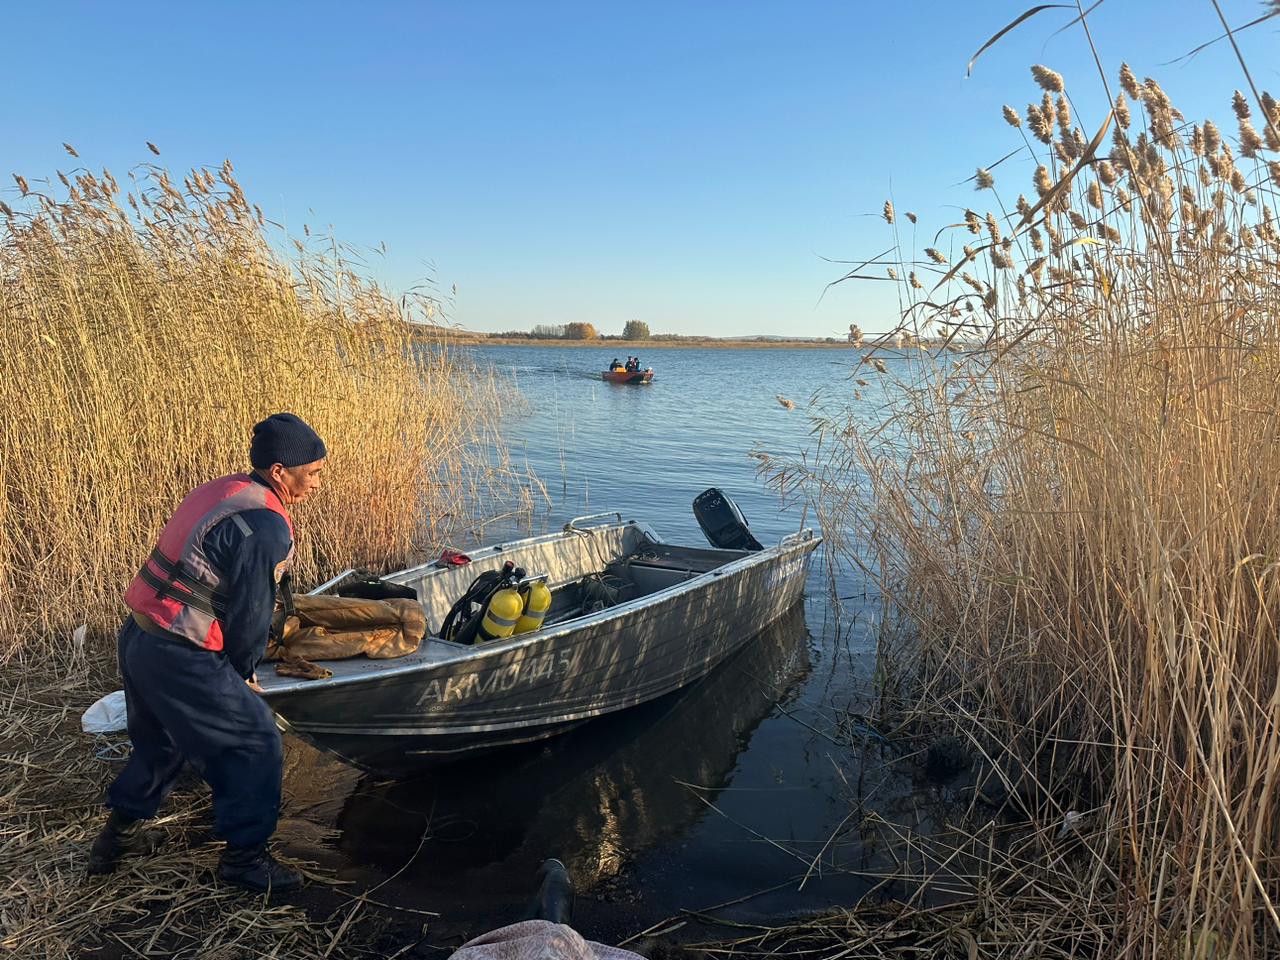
{"x": 594, "y": 797}
{"x": 604, "y": 797}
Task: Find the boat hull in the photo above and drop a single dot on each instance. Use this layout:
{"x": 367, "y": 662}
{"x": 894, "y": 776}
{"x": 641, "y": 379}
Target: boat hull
{"x": 399, "y": 720}
{"x": 635, "y": 376}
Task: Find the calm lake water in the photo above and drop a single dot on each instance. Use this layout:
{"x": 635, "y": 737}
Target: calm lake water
{"x": 735, "y": 789}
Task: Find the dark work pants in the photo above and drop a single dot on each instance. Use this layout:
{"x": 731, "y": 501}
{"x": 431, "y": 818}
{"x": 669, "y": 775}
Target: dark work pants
{"x": 189, "y": 704}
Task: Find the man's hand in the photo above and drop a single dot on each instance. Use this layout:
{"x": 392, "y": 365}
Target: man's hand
{"x": 253, "y": 683}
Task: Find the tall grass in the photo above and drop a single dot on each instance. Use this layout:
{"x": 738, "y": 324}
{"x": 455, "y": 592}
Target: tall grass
{"x": 146, "y": 327}
{"x": 143, "y": 330}
{"x": 1072, "y": 503}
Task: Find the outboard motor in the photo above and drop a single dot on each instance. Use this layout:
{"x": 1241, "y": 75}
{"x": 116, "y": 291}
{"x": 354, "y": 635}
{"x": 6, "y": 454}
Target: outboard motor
{"x": 722, "y": 522}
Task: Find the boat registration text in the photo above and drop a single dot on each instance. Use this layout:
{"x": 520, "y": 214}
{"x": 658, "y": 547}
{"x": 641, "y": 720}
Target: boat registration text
{"x": 501, "y": 679}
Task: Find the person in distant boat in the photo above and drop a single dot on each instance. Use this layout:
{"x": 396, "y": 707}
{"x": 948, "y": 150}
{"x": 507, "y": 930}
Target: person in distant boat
{"x": 201, "y": 608}
{"x": 615, "y": 365}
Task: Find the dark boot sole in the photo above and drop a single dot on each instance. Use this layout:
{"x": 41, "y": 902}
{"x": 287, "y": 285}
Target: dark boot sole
{"x": 243, "y": 880}
{"x": 255, "y": 888}
{"x": 98, "y": 867}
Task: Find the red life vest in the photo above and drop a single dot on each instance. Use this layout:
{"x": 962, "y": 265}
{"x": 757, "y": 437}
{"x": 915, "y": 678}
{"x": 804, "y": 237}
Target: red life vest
{"x": 178, "y": 588}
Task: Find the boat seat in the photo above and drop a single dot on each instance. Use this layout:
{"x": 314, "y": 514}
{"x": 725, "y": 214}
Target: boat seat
{"x": 667, "y": 557}
{"x": 662, "y": 563}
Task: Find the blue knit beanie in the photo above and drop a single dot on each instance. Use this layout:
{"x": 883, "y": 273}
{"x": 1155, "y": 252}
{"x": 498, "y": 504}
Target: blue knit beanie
{"x": 284, "y": 439}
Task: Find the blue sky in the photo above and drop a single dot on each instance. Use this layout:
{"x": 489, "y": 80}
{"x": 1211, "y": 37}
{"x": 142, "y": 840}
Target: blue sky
{"x": 686, "y": 164}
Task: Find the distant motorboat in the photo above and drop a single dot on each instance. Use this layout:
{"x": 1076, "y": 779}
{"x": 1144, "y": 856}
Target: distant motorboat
{"x": 627, "y": 376}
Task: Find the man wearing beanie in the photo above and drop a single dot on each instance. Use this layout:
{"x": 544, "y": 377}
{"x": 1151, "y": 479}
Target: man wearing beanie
{"x": 201, "y": 609}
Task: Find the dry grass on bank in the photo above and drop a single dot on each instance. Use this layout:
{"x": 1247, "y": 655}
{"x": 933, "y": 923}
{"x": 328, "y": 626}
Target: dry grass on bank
{"x": 146, "y": 328}
{"x": 1074, "y": 510}
{"x": 169, "y": 905}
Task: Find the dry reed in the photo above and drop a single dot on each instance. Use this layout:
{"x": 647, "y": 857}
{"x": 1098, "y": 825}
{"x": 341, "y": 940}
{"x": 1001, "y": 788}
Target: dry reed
{"x": 169, "y": 904}
{"x": 1074, "y": 513}
{"x": 145, "y": 330}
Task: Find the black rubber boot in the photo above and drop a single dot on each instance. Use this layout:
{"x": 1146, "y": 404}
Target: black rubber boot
{"x": 555, "y": 894}
{"x": 253, "y": 868}
{"x": 121, "y": 836}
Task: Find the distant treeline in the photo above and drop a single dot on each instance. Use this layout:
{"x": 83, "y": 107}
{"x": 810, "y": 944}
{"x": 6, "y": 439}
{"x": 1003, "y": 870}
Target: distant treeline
{"x": 636, "y": 330}
{"x": 632, "y": 330}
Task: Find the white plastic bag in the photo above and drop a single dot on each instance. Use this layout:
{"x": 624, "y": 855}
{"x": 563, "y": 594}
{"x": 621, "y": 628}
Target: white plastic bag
{"x": 106, "y": 716}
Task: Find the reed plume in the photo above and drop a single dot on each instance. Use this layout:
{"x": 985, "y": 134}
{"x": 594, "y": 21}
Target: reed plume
{"x": 1073, "y": 519}
{"x": 1050, "y": 80}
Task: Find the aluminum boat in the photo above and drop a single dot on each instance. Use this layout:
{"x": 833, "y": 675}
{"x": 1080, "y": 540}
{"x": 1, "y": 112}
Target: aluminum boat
{"x": 632, "y": 618}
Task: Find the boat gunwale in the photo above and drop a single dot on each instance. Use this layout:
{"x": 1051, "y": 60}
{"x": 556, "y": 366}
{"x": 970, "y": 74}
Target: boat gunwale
{"x": 469, "y": 654}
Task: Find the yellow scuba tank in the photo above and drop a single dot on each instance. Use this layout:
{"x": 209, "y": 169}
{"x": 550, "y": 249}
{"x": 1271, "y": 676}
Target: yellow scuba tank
{"x": 537, "y": 601}
{"x": 501, "y": 614}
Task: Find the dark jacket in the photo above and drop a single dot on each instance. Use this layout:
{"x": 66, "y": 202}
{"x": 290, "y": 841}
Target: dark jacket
{"x": 249, "y": 562}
